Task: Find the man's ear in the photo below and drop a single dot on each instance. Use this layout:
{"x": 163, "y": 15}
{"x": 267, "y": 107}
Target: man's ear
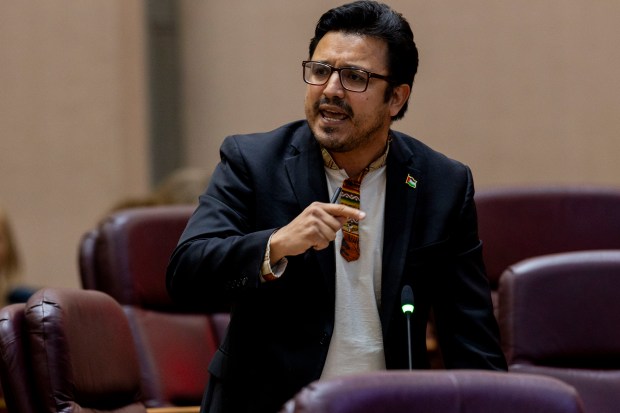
{"x": 400, "y": 94}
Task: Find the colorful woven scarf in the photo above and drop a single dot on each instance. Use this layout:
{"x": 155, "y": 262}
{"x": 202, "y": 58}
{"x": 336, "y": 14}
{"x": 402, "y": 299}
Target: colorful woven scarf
{"x": 350, "y": 196}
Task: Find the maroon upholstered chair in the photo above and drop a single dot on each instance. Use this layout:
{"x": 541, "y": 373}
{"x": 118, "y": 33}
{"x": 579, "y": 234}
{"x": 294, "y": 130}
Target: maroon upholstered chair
{"x": 559, "y": 316}
{"x": 86, "y": 259}
{"x": 127, "y": 253}
{"x": 2, "y": 401}
{"x": 15, "y": 373}
{"x": 79, "y": 351}
{"x": 126, "y": 257}
{"x": 458, "y": 391}
{"x": 519, "y": 223}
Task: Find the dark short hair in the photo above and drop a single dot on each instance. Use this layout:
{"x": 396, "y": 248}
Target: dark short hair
{"x": 370, "y": 18}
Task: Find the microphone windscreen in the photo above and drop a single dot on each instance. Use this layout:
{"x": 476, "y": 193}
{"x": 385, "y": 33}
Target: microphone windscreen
{"x": 406, "y": 299}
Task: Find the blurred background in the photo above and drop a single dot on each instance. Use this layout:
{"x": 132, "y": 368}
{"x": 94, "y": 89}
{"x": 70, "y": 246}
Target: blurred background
{"x": 101, "y": 100}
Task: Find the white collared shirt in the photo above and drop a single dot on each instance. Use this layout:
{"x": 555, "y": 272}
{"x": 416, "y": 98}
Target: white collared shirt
{"x": 357, "y": 342}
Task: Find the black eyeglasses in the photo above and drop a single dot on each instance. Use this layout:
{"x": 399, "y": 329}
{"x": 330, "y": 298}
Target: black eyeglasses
{"x": 352, "y": 79}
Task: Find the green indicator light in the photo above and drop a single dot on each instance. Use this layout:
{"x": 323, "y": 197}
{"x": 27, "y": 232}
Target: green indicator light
{"x": 407, "y": 308}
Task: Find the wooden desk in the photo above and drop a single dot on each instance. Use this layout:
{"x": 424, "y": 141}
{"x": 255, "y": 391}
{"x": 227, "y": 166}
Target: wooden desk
{"x": 180, "y": 409}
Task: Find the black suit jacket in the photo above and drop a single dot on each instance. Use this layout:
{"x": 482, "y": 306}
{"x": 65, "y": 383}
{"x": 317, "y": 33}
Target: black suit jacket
{"x": 280, "y": 331}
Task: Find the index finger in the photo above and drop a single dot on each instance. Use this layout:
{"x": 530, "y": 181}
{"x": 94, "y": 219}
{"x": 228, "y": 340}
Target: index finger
{"x": 344, "y": 211}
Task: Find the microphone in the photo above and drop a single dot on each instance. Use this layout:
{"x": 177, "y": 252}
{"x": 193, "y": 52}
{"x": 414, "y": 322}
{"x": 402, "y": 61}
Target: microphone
{"x": 406, "y": 302}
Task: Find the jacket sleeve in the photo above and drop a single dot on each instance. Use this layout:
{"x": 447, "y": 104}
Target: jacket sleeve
{"x": 220, "y": 252}
{"x": 467, "y": 328}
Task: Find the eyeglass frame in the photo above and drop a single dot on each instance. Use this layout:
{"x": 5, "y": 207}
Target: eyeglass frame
{"x": 333, "y": 69}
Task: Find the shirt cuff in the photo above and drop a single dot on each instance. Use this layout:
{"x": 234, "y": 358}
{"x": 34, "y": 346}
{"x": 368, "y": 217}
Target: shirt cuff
{"x": 267, "y": 272}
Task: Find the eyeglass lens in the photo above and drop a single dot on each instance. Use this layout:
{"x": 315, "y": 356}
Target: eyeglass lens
{"x": 317, "y": 73}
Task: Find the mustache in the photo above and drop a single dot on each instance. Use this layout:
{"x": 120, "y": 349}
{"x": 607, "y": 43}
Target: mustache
{"x": 336, "y": 101}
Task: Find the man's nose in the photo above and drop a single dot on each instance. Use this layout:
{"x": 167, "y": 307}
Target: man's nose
{"x": 333, "y": 87}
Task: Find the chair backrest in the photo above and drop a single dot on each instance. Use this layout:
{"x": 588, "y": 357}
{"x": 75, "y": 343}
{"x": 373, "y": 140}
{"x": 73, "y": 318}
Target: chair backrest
{"x": 558, "y": 315}
{"x": 174, "y": 355}
{"x": 126, "y": 257}
{"x": 459, "y": 391}
{"x": 86, "y": 259}
{"x": 519, "y": 223}
{"x": 15, "y": 373}
{"x": 80, "y": 354}
{"x": 127, "y": 254}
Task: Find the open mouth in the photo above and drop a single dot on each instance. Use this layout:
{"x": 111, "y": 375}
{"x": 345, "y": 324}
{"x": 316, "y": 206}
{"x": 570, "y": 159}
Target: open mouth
{"x": 333, "y": 114}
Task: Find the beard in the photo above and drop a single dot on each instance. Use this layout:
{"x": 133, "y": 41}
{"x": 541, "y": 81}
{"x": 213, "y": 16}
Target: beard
{"x": 334, "y": 139}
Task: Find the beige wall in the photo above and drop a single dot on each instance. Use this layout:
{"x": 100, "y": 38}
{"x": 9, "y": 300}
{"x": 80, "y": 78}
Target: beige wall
{"x": 72, "y": 123}
{"x": 524, "y": 92}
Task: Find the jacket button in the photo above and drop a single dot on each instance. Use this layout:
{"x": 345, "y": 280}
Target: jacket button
{"x": 323, "y": 339}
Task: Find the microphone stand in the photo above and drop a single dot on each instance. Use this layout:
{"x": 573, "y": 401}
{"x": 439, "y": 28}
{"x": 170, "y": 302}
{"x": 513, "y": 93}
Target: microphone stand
{"x": 409, "y": 340}
{"x": 406, "y": 301}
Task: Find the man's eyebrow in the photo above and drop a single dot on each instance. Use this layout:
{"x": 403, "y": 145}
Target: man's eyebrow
{"x": 346, "y": 66}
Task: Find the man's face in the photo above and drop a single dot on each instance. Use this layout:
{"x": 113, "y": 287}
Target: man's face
{"x": 342, "y": 120}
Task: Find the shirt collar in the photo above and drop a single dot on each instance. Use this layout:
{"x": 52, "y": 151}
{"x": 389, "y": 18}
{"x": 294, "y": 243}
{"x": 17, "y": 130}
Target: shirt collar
{"x": 329, "y": 162}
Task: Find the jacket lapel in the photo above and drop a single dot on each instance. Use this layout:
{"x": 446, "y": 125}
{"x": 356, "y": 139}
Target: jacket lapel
{"x": 400, "y": 205}
{"x": 309, "y": 184}
{"x": 304, "y": 167}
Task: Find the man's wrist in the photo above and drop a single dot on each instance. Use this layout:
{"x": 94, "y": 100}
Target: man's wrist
{"x": 271, "y": 272}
